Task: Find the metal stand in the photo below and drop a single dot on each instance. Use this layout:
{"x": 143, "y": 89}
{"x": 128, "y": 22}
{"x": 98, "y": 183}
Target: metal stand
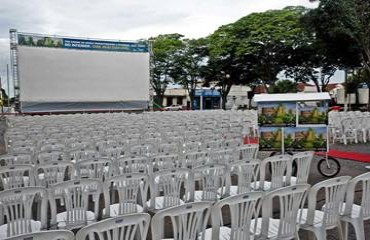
{"x": 14, "y": 66}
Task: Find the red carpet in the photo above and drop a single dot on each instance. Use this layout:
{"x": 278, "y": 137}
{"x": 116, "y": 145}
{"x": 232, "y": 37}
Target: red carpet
{"x": 354, "y": 156}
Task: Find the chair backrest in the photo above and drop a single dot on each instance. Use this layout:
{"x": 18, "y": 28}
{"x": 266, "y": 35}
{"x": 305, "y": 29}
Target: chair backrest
{"x": 15, "y": 159}
{"x": 291, "y": 199}
{"x": 80, "y": 155}
{"x": 17, "y": 206}
{"x": 168, "y": 148}
{"x": 188, "y": 221}
{"x": 248, "y": 151}
{"x": 112, "y": 153}
{"x": 129, "y": 187}
{"x": 128, "y": 227}
{"x": 195, "y": 159}
{"x": 192, "y": 146}
{"x": 335, "y": 190}
{"x": 75, "y": 195}
{"x": 133, "y": 165}
{"x": 303, "y": 160}
{"x": 53, "y": 147}
{"x": 50, "y": 156}
{"x": 363, "y": 181}
{"x": 16, "y": 176}
{"x": 52, "y": 173}
{"x": 46, "y": 235}
{"x": 224, "y": 156}
{"x": 281, "y": 170}
{"x": 167, "y": 161}
{"x": 247, "y": 173}
{"x": 169, "y": 184}
{"x": 142, "y": 150}
{"x": 100, "y": 168}
{"x": 210, "y": 179}
{"x": 242, "y": 209}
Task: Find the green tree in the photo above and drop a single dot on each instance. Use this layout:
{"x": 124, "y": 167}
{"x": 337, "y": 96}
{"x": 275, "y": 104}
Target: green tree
{"x": 284, "y": 86}
{"x": 190, "y": 61}
{"x": 268, "y": 40}
{"x": 344, "y": 27}
{"x": 162, "y": 62}
{"x": 330, "y": 44}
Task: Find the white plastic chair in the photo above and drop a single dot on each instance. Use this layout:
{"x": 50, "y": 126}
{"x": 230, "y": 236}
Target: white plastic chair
{"x": 213, "y": 181}
{"x": 195, "y": 159}
{"x": 247, "y": 174}
{"x": 16, "y": 159}
{"x": 224, "y": 156}
{"x": 248, "y": 151}
{"x": 50, "y": 156}
{"x": 75, "y": 195}
{"x": 132, "y": 194}
{"x": 132, "y": 165}
{"x": 188, "y": 221}
{"x": 163, "y": 162}
{"x": 166, "y": 188}
{"x": 242, "y": 209}
{"x": 128, "y": 227}
{"x": 318, "y": 221}
{"x": 281, "y": 171}
{"x": 16, "y": 206}
{"x": 17, "y": 176}
{"x": 52, "y": 173}
{"x": 303, "y": 161}
{"x": 354, "y": 213}
{"x": 290, "y": 201}
{"x": 80, "y": 155}
{"x": 46, "y": 235}
{"x": 100, "y": 168}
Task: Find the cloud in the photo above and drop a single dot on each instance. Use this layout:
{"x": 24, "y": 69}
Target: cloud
{"x": 124, "y": 19}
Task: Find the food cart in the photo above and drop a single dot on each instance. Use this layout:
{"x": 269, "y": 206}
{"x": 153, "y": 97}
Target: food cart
{"x": 294, "y": 122}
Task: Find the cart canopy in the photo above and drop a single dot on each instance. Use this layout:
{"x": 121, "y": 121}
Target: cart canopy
{"x": 291, "y": 97}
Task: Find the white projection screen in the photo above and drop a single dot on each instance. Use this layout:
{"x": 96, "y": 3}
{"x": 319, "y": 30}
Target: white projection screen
{"x": 63, "y": 79}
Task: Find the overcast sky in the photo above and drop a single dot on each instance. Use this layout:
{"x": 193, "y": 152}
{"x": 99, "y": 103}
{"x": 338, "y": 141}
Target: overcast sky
{"x": 124, "y": 19}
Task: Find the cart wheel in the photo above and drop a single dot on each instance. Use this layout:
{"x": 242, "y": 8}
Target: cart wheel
{"x": 294, "y": 165}
{"x": 328, "y": 168}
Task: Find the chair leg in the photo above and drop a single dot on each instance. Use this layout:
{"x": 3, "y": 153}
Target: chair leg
{"x": 345, "y": 230}
{"x": 359, "y": 229}
{"x": 320, "y": 234}
{"x": 340, "y": 232}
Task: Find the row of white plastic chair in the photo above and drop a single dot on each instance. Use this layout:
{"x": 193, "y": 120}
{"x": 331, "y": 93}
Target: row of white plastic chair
{"x": 279, "y": 214}
{"x": 349, "y": 127}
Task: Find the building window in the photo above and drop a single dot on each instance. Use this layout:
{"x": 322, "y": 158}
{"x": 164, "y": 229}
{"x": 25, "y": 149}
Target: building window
{"x": 169, "y": 101}
{"x": 179, "y": 100}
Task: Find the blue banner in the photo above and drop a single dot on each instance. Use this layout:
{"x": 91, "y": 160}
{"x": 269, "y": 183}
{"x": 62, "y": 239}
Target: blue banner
{"x": 84, "y": 44}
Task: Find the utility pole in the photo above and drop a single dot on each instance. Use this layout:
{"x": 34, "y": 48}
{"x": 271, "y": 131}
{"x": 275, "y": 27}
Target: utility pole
{"x": 7, "y": 84}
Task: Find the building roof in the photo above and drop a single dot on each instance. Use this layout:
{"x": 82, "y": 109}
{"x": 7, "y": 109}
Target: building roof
{"x": 291, "y": 97}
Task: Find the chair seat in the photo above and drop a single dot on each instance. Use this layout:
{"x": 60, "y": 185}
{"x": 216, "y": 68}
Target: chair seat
{"x": 318, "y": 219}
{"x": 234, "y": 190}
{"x": 355, "y": 213}
{"x": 293, "y": 180}
{"x": 62, "y": 217}
{"x": 266, "y": 186}
{"x": 114, "y": 209}
{"x": 159, "y": 202}
{"x": 35, "y": 227}
{"x": 225, "y": 234}
{"x": 272, "y": 231}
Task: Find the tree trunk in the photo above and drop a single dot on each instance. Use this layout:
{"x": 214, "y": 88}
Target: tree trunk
{"x": 224, "y": 101}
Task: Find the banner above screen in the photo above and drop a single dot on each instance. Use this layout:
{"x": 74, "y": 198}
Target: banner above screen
{"x": 34, "y": 40}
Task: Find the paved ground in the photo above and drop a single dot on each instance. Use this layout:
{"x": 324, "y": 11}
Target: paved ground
{"x": 349, "y": 168}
